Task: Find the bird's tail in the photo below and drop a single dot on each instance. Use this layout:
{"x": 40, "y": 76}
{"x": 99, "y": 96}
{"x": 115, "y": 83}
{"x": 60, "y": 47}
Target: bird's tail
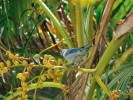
{"x": 88, "y": 47}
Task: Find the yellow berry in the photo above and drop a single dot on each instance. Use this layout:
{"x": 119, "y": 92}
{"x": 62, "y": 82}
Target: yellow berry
{"x": 25, "y": 96}
{"x": 11, "y": 56}
{"x": 19, "y": 89}
{"x": 53, "y": 62}
{"x": 8, "y": 63}
{"x": 43, "y": 78}
{"x": 23, "y": 93}
{"x": 31, "y": 64}
{"x": 16, "y": 63}
{"x": 26, "y": 74}
{"x": 24, "y": 84}
{"x": 25, "y": 89}
{"x": 29, "y": 69}
{"x": 40, "y": 84}
{"x": 5, "y": 70}
{"x": 46, "y": 57}
{"x": 21, "y": 77}
{"x": 44, "y": 62}
{"x": 17, "y": 55}
{"x": 51, "y": 58}
{"x": 61, "y": 73}
{"x": 49, "y": 65}
{"x": 2, "y": 64}
{"x": 57, "y": 72}
{"x": 37, "y": 56}
{"x": 50, "y": 71}
{"x": 48, "y": 76}
{"x": 7, "y": 53}
{"x": 20, "y": 98}
{"x": 53, "y": 76}
{"x": 57, "y": 78}
{"x": 25, "y": 63}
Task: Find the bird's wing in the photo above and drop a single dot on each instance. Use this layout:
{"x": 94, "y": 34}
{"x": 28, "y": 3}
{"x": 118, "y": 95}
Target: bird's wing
{"x": 88, "y": 47}
{"x": 73, "y": 50}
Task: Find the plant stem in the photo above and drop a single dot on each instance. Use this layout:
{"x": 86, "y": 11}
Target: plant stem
{"x": 123, "y": 58}
{"x": 3, "y": 49}
{"x": 33, "y": 86}
{"x": 111, "y": 49}
{"x": 102, "y": 25}
{"x": 79, "y": 24}
{"x": 83, "y": 69}
{"x": 89, "y": 31}
{"x": 39, "y": 78}
{"x": 102, "y": 85}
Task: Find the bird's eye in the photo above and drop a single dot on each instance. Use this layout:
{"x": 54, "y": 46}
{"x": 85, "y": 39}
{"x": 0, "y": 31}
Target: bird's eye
{"x": 61, "y": 52}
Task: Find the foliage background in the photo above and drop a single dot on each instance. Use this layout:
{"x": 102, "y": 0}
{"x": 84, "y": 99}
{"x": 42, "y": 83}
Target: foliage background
{"x": 26, "y": 28}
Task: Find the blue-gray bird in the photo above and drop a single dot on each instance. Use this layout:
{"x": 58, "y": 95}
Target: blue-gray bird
{"x": 75, "y": 55}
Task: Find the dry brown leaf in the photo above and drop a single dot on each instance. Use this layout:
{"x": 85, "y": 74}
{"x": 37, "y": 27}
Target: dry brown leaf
{"x": 125, "y": 27}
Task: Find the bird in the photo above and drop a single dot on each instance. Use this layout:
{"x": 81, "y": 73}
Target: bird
{"x": 75, "y": 55}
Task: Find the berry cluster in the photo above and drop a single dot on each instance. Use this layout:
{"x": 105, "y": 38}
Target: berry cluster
{"x": 53, "y": 70}
{"x": 16, "y": 61}
{"x": 114, "y": 95}
{"x": 52, "y": 73}
{"x": 49, "y": 61}
{"x": 55, "y": 74}
{"x": 24, "y": 86}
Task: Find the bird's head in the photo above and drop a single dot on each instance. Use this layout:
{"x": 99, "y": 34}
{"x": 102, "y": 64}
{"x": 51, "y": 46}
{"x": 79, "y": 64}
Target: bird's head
{"x": 63, "y": 51}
